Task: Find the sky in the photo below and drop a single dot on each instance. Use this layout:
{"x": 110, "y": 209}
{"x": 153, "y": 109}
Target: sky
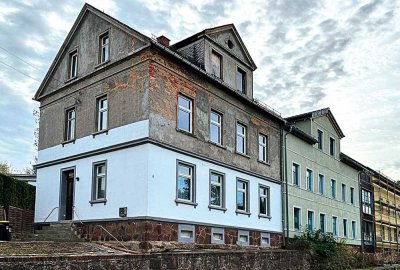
{"x": 310, "y": 54}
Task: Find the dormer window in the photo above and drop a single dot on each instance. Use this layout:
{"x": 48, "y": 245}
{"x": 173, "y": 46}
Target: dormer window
{"x": 216, "y": 64}
{"x": 104, "y": 46}
{"x": 241, "y": 80}
{"x": 73, "y": 64}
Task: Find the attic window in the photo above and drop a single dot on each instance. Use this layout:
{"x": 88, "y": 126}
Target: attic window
{"x": 230, "y": 44}
{"x": 73, "y": 64}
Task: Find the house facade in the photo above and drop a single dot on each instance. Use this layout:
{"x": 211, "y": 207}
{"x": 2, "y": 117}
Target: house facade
{"x": 157, "y": 142}
{"x": 387, "y": 211}
{"x": 321, "y": 192}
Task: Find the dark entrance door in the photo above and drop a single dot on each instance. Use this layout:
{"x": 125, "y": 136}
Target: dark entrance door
{"x": 67, "y": 194}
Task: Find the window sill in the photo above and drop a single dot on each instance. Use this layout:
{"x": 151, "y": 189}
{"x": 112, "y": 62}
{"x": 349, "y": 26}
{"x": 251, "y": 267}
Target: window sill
{"x": 71, "y": 79}
{"x": 243, "y": 155}
{"x": 264, "y": 162}
{"x": 212, "y": 207}
{"x": 186, "y": 132}
{"x": 217, "y": 144}
{"x": 102, "y": 64}
{"x": 67, "y": 142}
{"x": 186, "y": 202}
{"x": 98, "y": 201}
{"x": 243, "y": 213}
{"x": 94, "y": 134}
{"x": 264, "y": 216}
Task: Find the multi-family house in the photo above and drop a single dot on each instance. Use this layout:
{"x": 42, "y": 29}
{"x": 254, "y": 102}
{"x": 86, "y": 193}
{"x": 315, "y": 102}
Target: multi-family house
{"x": 321, "y": 192}
{"x": 387, "y": 211}
{"x": 366, "y": 195}
{"x": 157, "y": 142}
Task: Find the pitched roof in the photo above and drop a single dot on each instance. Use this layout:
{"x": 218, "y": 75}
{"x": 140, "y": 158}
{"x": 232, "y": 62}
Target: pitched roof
{"x": 208, "y": 31}
{"x": 315, "y": 114}
{"x": 86, "y": 8}
{"x": 300, "y": 134}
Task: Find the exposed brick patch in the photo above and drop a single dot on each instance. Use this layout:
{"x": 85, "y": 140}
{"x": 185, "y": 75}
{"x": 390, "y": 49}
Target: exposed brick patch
{"x": 203, "y": 235}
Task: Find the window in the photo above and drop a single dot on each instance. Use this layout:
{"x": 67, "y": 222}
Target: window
{"x": 320, "y": 139}
{"x": 241, "y": 80}
{"x": 102, "y": 113}
{"x": 367, "y": 232}
{"x": 321, "y": 184}
{"x": 70, "y": 125}
{"x": 242, "y": 196}
{"x": 99, "y": 181}
{"x": 383, "y": 233}
{"x": 262, "y": 148}
{"x": 185, "y": 182}
{"x": 332, "y": 146}
{"x": 352, "y": 195}
{"x": 240, "y": 138}
{"x": 243, "y": 238}
{"x": 265, "y": 239}
{"x": 216, "y": 64}
{"x": 343, "y": 192}
{"x": 104, "y": 44}
{"x": 297, "y": 218}
{"x": 366, "y": 202}
{"x": 310, "y": 220}
{"x": 185, "y": 116}
{"x": 216, "y": 127}
{"x": 353, "y": 229}
{"x": 333, "y": 189}
{"x": 73, "y": 64}
{"x": 322, "y": 222}
{"x": 296, "y": 174}
{"x": 217, "y": 189}
{"x": 345, "y": 227}
{"x": 389, "y": 233}
{"x": 217, "y": 236}
{"x": 264, "y": 200}
{"x": 186, "y": 233}
{"x": 334, "y": 226}
{"x": 310, "y": 180}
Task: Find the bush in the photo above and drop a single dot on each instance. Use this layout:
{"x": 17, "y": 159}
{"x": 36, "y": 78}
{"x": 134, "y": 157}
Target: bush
{"x": 16, "y": 193}
{"x": 323, "y": 244}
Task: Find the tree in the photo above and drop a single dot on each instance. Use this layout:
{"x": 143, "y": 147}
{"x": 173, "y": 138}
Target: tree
{"x": 5, "y": 168}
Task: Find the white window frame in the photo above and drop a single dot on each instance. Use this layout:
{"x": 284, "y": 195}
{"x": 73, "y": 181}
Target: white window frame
{"x": 222, "y": 188}
{"x": 310, "y": 188}
{"x": 336, "y": 228}
{"x": 70, "y": 124}
{"x": 96, "y": 176}
{"x": 186, "y": 110}
{"x": 73, "y": 59}
{"x": 366, "y": 205}
{"x": 322, "y": 140}
{"x": 104, "y": 47}
{"x": 267, "y": 201}
{"x": 192, "y": 182}
{"x": 241, "y": 136}
{"x": 323, "y": 184}
{"x": 100, "y": 126}
{"x": 216, "y": 124}
{"x": 313, "y": 217}
{"x": 300, "y": 218}
{"x": 298, "y": 174}
{"x": 262, "y": 146}
{"x": 246, "y": 193}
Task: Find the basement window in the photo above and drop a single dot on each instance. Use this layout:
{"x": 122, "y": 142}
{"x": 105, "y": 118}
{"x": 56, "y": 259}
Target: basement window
{"x": 243, "y": 238}
{"x": 265, "y": 240}
{"x": 217, "y": 236}
{"x": 186, "y": 233}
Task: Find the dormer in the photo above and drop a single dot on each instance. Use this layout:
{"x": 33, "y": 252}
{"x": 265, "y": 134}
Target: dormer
{"x": 321, "y": 125}
{"x": 221, "y": 52}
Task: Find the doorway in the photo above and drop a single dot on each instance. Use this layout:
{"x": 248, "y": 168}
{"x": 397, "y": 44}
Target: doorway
{"x": 67, "y": 194}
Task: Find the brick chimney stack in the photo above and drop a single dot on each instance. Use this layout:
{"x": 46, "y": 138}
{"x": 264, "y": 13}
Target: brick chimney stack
{"x": 163, "y": 40}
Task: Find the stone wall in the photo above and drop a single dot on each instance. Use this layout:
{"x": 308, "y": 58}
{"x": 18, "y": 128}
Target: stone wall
{"x": 234, "y": 260}
{"x": 150, "y": 230}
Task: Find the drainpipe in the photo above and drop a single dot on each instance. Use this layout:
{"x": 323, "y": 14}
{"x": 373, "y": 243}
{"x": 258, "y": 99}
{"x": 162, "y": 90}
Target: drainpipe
{"x": 286, "y": 185}
{"x": 361, "y": 211}
{"x": 282, "y": 191}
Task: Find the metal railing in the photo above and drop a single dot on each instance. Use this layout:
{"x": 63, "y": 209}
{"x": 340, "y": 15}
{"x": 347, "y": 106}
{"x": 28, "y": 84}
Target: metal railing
{"x": 101, "y": 227}
{"x": 50, "y": 213}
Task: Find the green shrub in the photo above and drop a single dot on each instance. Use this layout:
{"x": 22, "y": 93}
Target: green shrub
{"x": 323, "y": 244}
{"x": 16, "y": 193}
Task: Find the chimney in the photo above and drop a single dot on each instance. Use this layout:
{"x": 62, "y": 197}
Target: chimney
{"x": 163, "y": 40}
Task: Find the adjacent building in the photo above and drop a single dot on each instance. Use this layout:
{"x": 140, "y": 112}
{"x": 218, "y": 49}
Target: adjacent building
{"x": 159, "y": 142}
{"x": 321, "y": 192}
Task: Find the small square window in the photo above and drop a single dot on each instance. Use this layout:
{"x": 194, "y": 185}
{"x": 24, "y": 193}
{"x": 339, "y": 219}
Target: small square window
{"x": 186, "y": 233}
{"x": 217, "y": 236}
{"x": 243, "y": 238}
{"x": 265, "y": 240}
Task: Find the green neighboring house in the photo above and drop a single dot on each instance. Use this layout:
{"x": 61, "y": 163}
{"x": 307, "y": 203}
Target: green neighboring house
{"x": 323, "y": 192}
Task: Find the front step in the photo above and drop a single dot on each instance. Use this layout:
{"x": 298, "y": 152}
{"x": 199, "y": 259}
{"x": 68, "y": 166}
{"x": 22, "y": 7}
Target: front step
{"x": 56, "y": 232}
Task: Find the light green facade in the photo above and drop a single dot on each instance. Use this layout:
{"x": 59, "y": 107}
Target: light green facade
{"x": 308, "y": 156}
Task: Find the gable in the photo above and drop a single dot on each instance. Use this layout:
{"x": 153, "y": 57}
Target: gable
{"x": 228, "y": 37}
{"x": 325, "y": 124}
{"x": 84, "y": 38}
